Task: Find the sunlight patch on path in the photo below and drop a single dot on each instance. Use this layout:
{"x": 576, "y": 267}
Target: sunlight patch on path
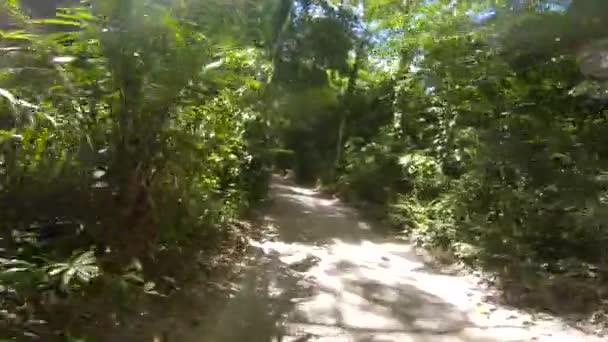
{"x": 327, "y": 276}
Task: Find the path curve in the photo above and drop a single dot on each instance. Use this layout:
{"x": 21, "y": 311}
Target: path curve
{"x": 324, "y": 274}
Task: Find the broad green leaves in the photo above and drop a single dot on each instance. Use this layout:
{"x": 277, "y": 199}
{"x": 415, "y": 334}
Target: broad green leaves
{"x": 140, "y": 92}
{"x": 80, "y": 268}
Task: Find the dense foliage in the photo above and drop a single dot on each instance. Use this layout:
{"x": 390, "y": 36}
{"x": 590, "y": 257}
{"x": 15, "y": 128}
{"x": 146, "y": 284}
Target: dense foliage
{"x": 477, "y": 126}
{"x": 132, "y": 132}
{"x": 128, "y": 133}
{"x": 498, "y": 133}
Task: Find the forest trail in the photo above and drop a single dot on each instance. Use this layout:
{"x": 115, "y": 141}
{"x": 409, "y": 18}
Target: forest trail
{"x": 322, "y": 273}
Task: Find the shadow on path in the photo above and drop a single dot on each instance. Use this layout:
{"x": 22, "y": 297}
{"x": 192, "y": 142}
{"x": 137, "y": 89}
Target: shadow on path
{"x": 323, "y": 274}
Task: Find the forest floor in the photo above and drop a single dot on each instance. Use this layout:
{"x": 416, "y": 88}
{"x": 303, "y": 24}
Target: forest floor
{"x": 322, "y": 272}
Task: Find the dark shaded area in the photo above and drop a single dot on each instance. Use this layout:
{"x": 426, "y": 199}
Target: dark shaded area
{"x": 258, "y": 310}
{"x": 412, "y": 306}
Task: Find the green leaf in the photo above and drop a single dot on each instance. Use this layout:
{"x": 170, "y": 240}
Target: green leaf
{"x": 14, "y": 101}
{"x": 67, "y": 277}
{"x": 149, "y": 286}
{"x": 16, "y": 35}
{"x": 77, "y": 13}
{"x": 55, "y": 21}
{"x": 133, "y": 278}
{"x": 16, "y": 269}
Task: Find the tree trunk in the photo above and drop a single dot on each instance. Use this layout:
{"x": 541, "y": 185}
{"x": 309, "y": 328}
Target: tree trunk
{"x": 286, "y": 9}
{"x": 350, "y": 89}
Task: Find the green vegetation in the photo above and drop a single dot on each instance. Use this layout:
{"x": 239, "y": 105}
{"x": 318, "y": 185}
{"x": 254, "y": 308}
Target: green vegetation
{"x": 134, "y": 133}
{"x": 125, "y": 140}
{"x": 477, "y": 126}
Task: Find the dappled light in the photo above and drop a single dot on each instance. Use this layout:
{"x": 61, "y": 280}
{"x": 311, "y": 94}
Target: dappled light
{"x": 303, "y": 170}
{"x": 357, "y": 287}
{"x": 303, "y": 215}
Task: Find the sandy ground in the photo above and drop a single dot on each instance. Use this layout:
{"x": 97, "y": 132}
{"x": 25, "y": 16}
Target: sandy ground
{"x": 323, "y": 273}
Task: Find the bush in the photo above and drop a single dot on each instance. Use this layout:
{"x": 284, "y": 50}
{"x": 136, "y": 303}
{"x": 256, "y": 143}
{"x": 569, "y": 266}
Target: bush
{"x": 371, "y": 172}
{"x": 120, "y": 151}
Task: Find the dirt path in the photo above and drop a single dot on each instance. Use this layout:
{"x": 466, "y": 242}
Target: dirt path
{"x": 324, "y": 274}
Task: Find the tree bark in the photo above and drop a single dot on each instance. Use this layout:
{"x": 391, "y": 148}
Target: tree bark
{"x": 350, "y": 89}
